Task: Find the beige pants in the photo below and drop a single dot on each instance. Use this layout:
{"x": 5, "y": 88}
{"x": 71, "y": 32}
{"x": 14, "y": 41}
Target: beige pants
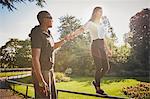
{"x": 50, "y": 79}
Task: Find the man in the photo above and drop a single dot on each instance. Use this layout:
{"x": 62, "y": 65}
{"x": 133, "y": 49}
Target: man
{"x": 42, "y": 45}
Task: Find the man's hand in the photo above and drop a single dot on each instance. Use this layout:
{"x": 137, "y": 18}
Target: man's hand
{"x": 44, "y": 87}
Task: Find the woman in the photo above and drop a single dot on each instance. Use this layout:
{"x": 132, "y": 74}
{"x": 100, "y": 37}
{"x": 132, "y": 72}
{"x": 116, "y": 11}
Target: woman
{"x": 97, "y": 28}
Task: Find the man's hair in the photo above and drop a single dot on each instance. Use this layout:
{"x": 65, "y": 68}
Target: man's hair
{"x": 41, "y": 15}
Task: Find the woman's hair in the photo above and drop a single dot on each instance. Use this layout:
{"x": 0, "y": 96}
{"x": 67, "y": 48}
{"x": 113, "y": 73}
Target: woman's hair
{"x": 94, "y": 13}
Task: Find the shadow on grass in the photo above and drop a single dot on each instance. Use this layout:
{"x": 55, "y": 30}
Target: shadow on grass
{"x": 107, "y": 80}
{"x": 27, "y": 80}
{"x": 88, "y": 80}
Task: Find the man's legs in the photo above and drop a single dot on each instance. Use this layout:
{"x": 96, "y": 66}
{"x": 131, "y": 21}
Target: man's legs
{"x": 39, "y": 94}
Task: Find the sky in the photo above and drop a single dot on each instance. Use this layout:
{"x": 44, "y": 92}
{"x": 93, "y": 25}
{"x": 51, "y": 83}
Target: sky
{"x": 18, "y": 24}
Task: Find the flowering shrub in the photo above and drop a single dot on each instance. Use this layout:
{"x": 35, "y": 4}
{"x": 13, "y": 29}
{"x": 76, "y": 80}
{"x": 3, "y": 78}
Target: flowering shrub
{"x": 140, "y": 91}
{"x": 61, "y": 77}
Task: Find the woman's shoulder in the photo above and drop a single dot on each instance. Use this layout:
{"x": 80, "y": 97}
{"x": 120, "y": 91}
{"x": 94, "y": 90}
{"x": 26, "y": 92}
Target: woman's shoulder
{"x": 90, "y": 23}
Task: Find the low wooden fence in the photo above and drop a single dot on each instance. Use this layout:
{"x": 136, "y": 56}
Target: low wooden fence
{"x": 66, "y": 91}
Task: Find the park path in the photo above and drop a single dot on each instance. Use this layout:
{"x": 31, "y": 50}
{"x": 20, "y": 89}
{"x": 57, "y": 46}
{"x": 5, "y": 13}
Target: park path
{"x": 8, "y": 94}
{"x": 5, "y": 92}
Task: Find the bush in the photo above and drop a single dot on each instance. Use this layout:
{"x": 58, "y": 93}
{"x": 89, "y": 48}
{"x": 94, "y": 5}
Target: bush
{"x": 66, "y": 79}
{"x": 61, "y": 77}
{"x": 68, "y": 71}
{"x": 140, "y": 91}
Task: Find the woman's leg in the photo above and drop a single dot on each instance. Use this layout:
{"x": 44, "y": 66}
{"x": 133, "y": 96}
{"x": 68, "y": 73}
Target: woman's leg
{"x": 105, "y": 63}
{"x": 102, "y": 66}
{"x": 98, "y": 63}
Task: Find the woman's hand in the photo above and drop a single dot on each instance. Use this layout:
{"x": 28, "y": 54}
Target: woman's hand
{"x": 109, "y": 53}
{"x": 69, "y": 37}
{"x": 74, "y": 34}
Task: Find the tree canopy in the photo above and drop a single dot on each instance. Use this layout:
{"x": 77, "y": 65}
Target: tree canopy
{"x": 10, "y": 4}
{"x": 140, "y": 29}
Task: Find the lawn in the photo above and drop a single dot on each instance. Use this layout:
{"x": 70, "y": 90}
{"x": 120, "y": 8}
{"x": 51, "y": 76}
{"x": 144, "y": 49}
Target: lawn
{"x": 112, "y": 85}
{"x": 7, "y": 74}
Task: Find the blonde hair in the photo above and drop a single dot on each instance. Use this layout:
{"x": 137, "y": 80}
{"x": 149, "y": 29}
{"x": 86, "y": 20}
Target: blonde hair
{"x": 93, "y": 16}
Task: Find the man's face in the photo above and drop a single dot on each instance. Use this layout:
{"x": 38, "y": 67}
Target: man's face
{"x": 48, "y": 21}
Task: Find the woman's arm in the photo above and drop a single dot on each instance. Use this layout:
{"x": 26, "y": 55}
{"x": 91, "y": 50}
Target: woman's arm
{"x": 76, "y": 33}
{"x": 59, "y": 44}
{"x": 109, "y": 52}
{"x": 69, "y": 37}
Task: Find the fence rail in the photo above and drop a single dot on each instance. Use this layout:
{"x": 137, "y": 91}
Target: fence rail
{"x": 67, "y": 91}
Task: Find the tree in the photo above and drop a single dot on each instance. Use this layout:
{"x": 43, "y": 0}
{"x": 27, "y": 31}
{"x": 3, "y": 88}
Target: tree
{"x": 7, "y": 53}
{"x": 73, "y": 54}
{"x": 15, "y": 53}
{"x": 140, "y": 27}
{"x": 76, "y": 54}
{"x": 23, "y": 54}
{"x": 10, "y": 3}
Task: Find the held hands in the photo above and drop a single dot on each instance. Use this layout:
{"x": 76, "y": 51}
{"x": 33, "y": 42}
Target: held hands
{"x": 74, "y": 34}
{"x": 69, "y": 37}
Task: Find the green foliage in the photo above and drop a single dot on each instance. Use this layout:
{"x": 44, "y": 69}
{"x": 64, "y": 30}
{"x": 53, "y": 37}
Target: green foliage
{"x": 10, "y": 3}
{"x": 68, "y": 24}
{"x": 120, "y": 54}
{"x": 22, "y": 89}
{"x": 15, "y": 53}
{"x": 140, "y": 29}
{"x": 7, "y": 53}
{"x": 61, "y": 77}
{"x": 7, "y": 74}
{"x": 23, "y": 54}
{"x": 137, "y": 62}
{"x": 140, "y": 91}
{"x": 83, "y": 84}
{"x": 68, "y": 71}
{"x": 74, "y": 54}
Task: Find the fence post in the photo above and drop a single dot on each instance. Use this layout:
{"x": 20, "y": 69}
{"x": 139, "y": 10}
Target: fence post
{"x": 26, "y": 92}
{"x": 57, "y": 92}
{"x": 13, "y": 88}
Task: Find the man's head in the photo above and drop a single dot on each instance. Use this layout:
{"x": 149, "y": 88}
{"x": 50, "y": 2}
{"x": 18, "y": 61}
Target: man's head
{"x": 44, "y": 18}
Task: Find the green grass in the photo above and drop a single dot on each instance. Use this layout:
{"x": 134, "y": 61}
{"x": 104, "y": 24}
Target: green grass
{"x": 113, "y": 88}
{"x": 7, "y": 74}
{"x": 112, "y": 85}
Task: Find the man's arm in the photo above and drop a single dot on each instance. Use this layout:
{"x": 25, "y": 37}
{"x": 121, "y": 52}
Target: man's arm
{"x": 69, "y": 37}
{"x": 36, "y": 64}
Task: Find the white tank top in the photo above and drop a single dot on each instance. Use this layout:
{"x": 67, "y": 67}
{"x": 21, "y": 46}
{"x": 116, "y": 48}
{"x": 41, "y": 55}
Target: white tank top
{"x": 97, "y": 31}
